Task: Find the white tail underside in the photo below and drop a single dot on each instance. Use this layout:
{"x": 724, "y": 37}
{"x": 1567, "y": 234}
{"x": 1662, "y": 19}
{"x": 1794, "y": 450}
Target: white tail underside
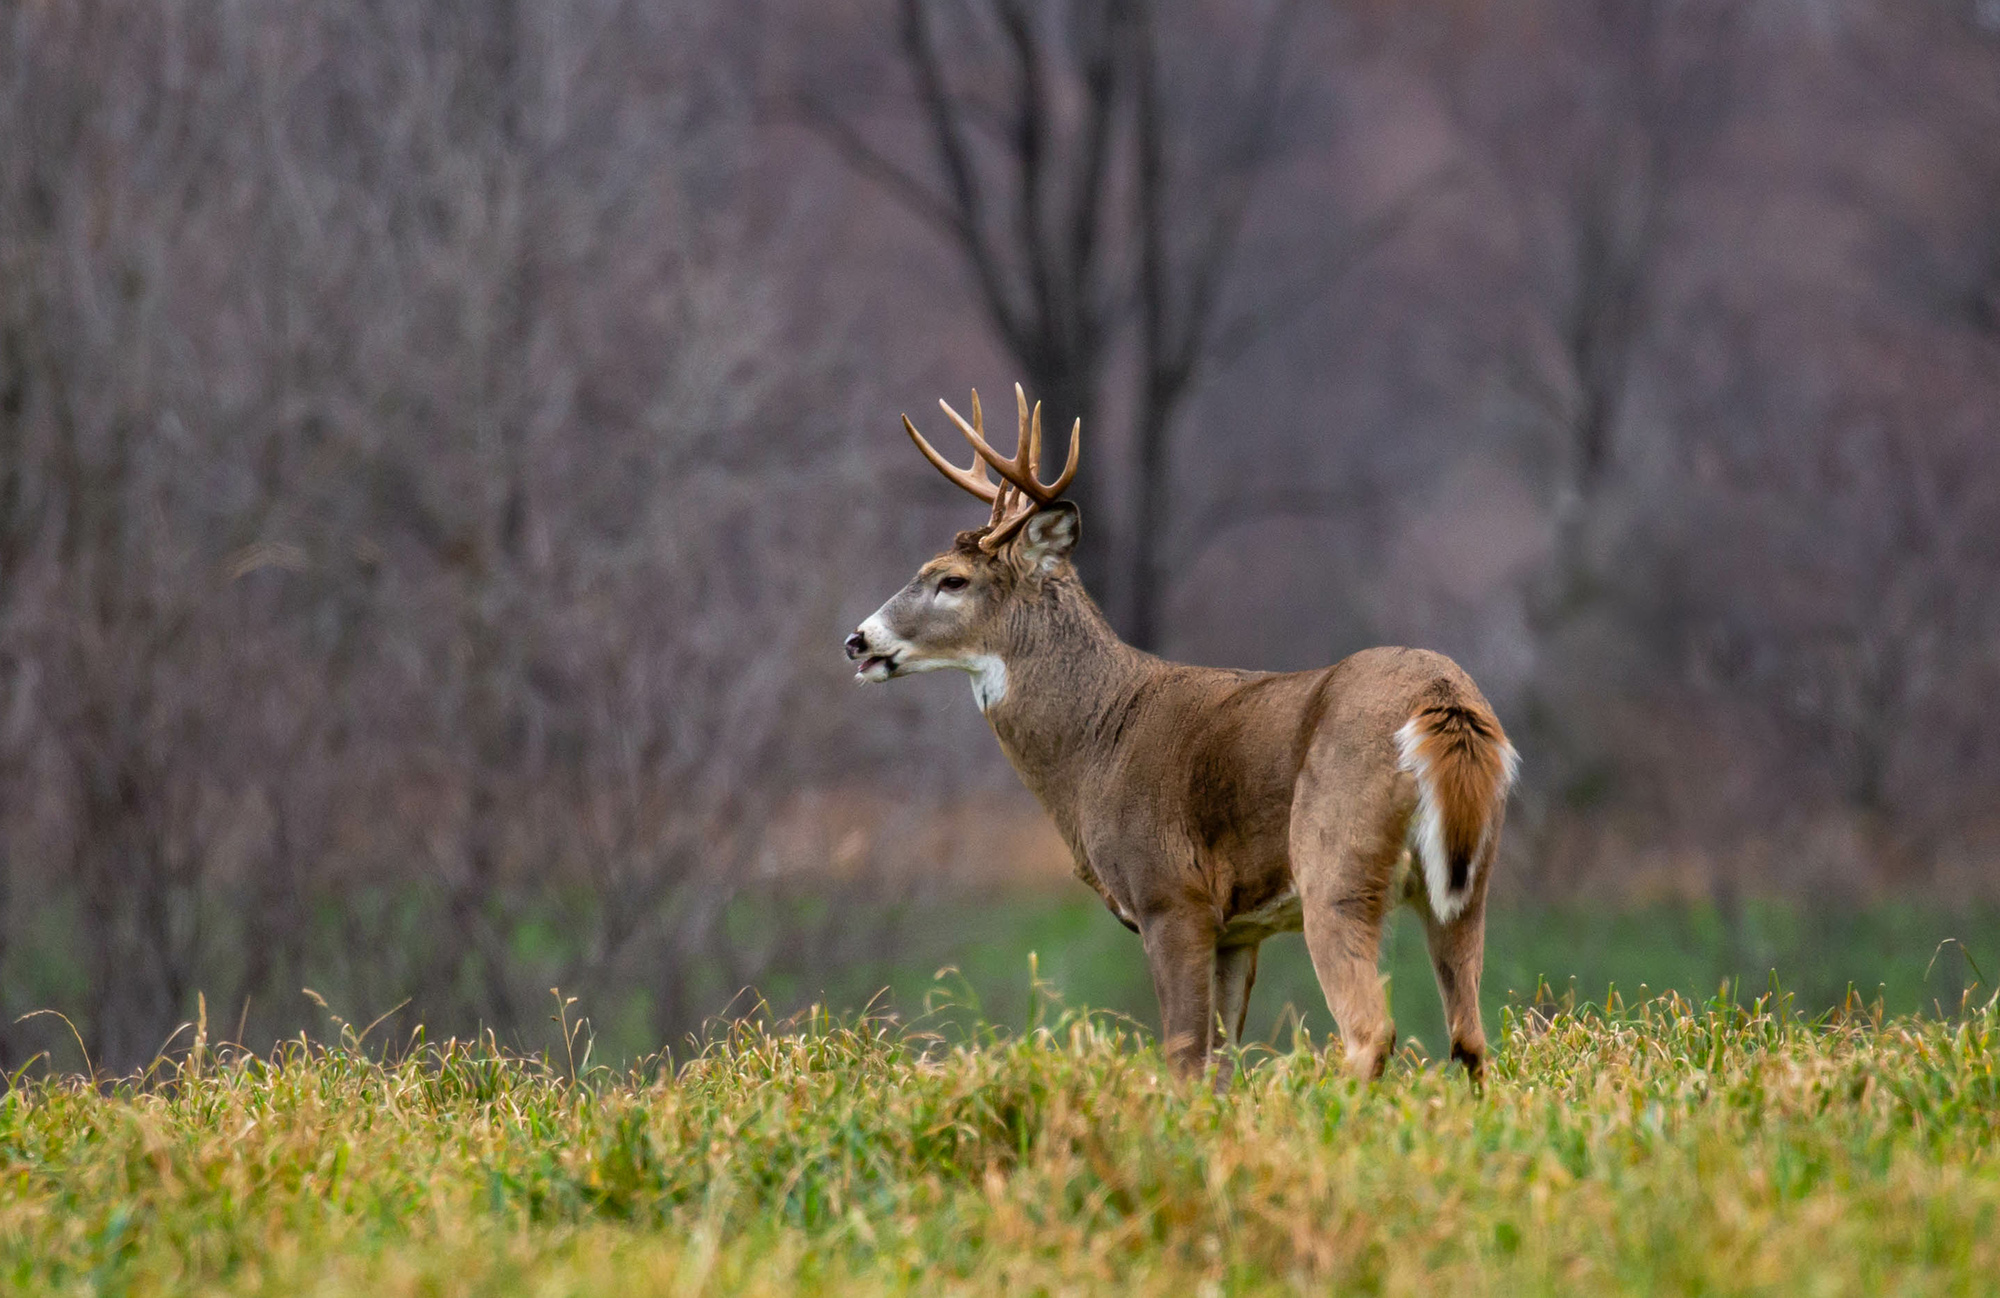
{"x": 1426, "y": 837}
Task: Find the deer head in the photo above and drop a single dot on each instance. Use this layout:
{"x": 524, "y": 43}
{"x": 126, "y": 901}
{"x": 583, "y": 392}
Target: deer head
{"x": 954, "y": 612}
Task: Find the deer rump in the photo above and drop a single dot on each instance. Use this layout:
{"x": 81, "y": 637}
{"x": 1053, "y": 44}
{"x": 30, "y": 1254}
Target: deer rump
{"x": 1463, "y": 768}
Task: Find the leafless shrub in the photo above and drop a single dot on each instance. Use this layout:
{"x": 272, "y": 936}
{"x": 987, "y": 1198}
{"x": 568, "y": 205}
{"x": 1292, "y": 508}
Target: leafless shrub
{"x": 406, "y": 498}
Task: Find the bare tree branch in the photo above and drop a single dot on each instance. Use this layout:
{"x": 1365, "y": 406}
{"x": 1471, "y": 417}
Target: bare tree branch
{"x": 942, "y": 114}
{"x": 854, "y": 149}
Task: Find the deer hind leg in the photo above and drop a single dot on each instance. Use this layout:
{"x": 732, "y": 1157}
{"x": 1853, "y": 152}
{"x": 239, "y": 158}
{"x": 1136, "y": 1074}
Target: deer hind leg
{"x": 1346, "y": 840}
{"x": 1181, "y": 955}
{"x": 1458, "y": 953}
{"x": 1345, "y": 939}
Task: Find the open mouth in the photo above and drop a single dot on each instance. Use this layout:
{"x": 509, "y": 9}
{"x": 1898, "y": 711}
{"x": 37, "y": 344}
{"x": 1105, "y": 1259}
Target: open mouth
{"x": 876, "y": 667}
{"x": 871, "y": 664}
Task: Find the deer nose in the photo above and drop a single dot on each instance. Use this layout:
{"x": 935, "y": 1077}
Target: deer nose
{"x": 857, "y": 645}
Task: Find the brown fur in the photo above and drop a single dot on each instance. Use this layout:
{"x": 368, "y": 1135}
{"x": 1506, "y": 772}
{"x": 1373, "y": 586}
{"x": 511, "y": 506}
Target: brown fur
{"x": 1209, "y": 807}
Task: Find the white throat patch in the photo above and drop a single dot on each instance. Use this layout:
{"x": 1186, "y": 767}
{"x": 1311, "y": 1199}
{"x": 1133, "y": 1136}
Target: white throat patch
{"x": 989, "y": 679}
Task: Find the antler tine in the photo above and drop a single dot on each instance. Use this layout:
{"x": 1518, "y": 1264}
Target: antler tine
{"x": 974, "y": 480}
{"x": 977, "y": 436}
{"x": 1020, "y": 468}
{"x": 1005, "y": 498}
{"x": 1068, "y": 474}
{"x": 1028, "y": 445}
{"x": 1020, "y": 490}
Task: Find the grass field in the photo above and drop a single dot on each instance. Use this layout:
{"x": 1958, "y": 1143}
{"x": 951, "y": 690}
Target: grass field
{"x": 1910, "y": 959}
{"x": 1670, "y": 1147}
{"x": 368, "y": 953}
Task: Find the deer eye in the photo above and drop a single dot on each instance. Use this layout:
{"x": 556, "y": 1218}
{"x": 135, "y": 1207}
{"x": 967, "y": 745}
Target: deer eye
{"x": 953, "y": 582}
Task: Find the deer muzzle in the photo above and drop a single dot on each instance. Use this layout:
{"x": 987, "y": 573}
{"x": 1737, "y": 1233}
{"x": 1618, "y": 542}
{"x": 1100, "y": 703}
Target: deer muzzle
{"x": 876, "y": 662}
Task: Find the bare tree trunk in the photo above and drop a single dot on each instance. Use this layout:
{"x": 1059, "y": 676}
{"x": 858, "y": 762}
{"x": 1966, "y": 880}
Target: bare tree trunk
{"x": 1073, "y": 225}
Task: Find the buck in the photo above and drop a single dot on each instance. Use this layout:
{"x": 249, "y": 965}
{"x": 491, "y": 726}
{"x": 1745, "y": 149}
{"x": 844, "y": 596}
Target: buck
{"x": 1213, "y": 808}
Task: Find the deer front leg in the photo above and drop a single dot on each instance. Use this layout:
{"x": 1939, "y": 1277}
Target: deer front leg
{"x": 1180, "y": 953}
{"x": 1235, "y": 973}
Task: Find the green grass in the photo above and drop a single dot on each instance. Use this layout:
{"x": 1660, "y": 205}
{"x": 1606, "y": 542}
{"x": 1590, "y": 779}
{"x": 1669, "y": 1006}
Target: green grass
{"x": 1671, "y": 1147}
{"x": 1910, "y": 959}
{"x": 369, "y": 951}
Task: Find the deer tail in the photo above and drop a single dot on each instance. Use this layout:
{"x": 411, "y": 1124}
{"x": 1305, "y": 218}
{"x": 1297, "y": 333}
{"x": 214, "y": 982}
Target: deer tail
{"x": 1464, "y": 767}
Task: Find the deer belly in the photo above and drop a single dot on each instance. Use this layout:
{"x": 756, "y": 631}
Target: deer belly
{"x": 1281, "y": 914}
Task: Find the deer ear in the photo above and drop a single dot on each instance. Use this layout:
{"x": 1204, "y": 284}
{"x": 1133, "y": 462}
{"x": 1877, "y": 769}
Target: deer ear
{"x": 1050, "y": 535}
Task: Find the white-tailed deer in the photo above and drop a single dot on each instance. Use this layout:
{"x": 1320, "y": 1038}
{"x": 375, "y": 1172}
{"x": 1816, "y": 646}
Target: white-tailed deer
{"x": 1212, "y": 808}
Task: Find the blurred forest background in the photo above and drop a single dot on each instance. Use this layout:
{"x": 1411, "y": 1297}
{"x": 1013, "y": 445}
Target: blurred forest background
{"x": 443, "y": 444}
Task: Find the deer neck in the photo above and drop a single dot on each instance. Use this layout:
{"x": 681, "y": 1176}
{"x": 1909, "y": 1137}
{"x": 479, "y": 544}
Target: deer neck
{"x": 1060, "y": 671}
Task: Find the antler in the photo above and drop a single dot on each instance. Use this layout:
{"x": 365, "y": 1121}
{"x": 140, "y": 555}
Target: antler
{"x": 1020, "y": 492}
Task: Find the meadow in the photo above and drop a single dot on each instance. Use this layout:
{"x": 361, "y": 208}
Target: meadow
{"x": 1910, "y": 958}
{"x": 1665, "y": 1146}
